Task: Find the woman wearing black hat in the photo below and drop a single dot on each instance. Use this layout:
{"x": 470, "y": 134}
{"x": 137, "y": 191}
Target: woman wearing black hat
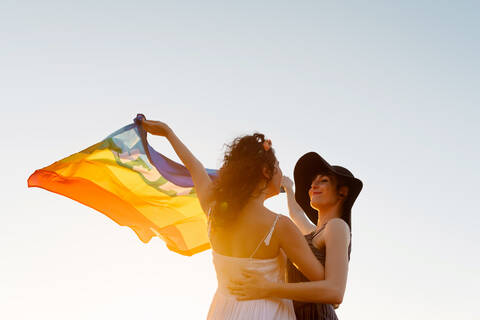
{"x": 321, "y": 208}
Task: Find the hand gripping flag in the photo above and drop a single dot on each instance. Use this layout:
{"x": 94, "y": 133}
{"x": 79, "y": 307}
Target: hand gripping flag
{"x": 124, "y": 178}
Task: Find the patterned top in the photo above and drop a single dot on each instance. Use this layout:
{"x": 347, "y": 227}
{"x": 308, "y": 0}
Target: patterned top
{"x": 308, "y": 310}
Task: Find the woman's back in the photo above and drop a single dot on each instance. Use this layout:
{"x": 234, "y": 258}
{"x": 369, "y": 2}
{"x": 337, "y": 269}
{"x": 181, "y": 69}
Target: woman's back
{"x": 229, "y": 267}
{"x": 243, "y": 238}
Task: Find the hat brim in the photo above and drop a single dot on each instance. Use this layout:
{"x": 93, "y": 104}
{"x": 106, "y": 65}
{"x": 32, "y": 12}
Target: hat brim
{"x": 310, "y": 165}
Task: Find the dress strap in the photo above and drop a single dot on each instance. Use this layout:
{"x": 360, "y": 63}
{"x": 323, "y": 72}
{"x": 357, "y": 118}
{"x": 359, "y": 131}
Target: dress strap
{"x": 315, "y": 233}
{"x": 209, "y": 220}
{"x": 267, "y": 238}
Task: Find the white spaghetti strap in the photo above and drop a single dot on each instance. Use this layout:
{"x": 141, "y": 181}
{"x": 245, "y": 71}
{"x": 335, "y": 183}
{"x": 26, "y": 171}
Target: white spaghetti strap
{"x": 269, "y": 235}
{"x": 209, "y": 211}
{"x": 209, "y": 221}
{"x": 267, "y": 238}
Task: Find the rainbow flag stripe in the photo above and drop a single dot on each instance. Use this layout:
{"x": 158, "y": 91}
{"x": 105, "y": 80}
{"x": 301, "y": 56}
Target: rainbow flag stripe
{"x": 124, "y": 178}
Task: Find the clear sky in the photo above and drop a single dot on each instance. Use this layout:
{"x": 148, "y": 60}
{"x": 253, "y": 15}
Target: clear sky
{"x": 388, "y": 89}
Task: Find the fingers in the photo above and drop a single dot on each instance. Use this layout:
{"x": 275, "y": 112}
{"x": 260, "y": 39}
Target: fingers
{"x": 237, "y": 291}
{"x": 237, "y": 286}
{"x": 240, "y": 294}
{"x": 237, "y": 282}
{"x": 286, "y": 182}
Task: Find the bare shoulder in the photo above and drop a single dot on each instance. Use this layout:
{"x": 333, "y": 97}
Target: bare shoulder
{"x": 337, "y": 224}
{"x": 282, "y": 219}
{"x": 337, "y": 229}
{"x": 289, "y": 236}
{"x": 286, "y": 225}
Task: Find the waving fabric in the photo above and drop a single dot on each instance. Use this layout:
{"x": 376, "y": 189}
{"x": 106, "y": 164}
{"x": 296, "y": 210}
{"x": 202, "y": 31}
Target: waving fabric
{"x": 124, "y": 178}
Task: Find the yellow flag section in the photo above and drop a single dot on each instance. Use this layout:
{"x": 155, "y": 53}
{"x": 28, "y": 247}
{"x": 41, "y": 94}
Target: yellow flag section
{"x": 124, "y": 178}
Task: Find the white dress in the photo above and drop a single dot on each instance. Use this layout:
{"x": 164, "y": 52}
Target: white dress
{"x": 226, "y": 306}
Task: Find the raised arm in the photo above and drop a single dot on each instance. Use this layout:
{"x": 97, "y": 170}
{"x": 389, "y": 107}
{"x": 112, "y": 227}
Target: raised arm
{"x": 331, "y": 290}
{"x": 294, "y": 210}
{"x": 200, "y": 177}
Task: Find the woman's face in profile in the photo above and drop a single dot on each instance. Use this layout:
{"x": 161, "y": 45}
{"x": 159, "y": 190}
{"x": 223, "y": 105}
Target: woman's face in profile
{"x": 273, "y": 187}
{"x": 323, "y": 192}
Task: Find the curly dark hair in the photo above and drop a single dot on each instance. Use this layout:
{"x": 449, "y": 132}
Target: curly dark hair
{"x": 239, "y": 176}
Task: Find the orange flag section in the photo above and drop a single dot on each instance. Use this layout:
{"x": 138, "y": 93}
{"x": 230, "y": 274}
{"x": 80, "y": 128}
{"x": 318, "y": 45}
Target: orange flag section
{"x": 119, "y": 180}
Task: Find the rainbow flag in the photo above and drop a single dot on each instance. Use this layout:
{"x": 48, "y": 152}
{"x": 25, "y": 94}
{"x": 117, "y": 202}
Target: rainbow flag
{"x": 124, "y": 178}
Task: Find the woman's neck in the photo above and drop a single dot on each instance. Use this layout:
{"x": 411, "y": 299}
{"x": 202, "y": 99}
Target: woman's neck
{"x": 324, "y": 215}
{"x": 255, "y": 202}
{"x": 254, "y": 205}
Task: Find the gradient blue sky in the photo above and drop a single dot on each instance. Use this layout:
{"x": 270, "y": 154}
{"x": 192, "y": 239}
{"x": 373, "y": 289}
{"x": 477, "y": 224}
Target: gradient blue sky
{"x": 388, "y": 89}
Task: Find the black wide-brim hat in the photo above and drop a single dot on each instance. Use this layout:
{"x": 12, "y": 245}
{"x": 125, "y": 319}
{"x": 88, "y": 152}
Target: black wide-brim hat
{"x": 307, "y": 168}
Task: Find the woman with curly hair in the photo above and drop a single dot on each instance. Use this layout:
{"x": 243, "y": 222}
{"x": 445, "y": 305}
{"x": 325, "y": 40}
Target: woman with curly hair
{"x": 244, "y": 234}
